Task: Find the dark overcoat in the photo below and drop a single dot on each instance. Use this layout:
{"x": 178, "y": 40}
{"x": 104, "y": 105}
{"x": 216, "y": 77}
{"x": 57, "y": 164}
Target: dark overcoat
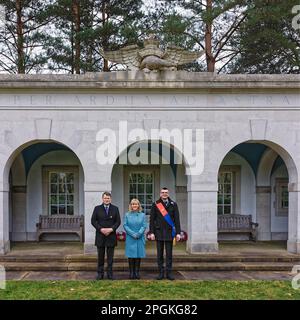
{"x": 158, "y": 225}
{"x": 102, "y": 220}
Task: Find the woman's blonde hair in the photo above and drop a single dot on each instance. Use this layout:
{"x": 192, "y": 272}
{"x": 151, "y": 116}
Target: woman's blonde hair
{"x": 140, "y": 209}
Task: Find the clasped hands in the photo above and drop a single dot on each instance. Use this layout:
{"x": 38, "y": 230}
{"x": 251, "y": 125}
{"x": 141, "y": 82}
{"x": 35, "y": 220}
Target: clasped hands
{"x": 106, "y": 231}
{"x": 135, "y": 236}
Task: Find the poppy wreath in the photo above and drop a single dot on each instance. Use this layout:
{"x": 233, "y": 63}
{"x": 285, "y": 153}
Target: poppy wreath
{"x": 183, "y": 236}
{"x": 121, "y": 235}
{"x": 148, "y": 235}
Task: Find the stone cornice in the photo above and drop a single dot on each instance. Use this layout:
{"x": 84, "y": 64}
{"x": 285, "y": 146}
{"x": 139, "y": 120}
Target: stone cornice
{"x": 166, "y": 80}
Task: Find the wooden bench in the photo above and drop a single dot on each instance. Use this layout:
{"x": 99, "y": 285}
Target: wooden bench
{"x": 60, "y": 224}
{"x": 237, "y": 223}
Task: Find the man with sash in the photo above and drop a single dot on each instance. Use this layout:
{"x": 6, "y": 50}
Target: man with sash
{"x": 165, "y": 229}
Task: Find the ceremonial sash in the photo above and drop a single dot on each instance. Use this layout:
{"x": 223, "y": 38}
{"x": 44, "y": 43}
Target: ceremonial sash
{"x": 167, "y": 217}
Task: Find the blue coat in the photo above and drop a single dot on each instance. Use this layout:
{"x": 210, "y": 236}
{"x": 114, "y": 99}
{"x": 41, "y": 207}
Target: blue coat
{"x": 135, "y": 225}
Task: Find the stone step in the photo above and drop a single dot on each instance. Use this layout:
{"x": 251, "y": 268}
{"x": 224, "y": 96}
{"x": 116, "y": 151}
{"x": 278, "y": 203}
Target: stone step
{"x": 148, "y": 266}
{"x": 150, "y": 259}
{"x": 199, "y": 259}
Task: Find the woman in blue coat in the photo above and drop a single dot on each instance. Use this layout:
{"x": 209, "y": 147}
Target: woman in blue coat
{"x": 135, "y": 226}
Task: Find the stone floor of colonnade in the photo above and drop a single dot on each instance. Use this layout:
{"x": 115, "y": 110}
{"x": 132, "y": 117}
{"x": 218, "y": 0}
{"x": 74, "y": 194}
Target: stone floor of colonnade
{"x": 75, "y": 249}
{"x": 235, "y": 260}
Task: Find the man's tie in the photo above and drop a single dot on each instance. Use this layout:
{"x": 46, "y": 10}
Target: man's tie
{"x": 106, "y": 209}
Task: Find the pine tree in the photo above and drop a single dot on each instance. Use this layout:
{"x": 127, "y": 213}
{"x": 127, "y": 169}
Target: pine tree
{"x": 87, "y": 26}
{"x": 266, "y": 41}
{"x": 245, "y": 36}
{"x": 22, "y": 36}
{"x": 63, "y": 43}
{"x": 204, "y": 25}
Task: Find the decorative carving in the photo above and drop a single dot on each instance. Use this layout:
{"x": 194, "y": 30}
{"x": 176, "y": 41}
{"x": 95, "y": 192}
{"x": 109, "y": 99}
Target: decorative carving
{"x": 151, "y": 57}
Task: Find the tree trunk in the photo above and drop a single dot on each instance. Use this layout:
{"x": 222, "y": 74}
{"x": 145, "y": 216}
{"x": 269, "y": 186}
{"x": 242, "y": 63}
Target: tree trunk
{"x": 90, "y": 43}
{"x": 72, "y": 48}
{"x": 76, "y": 17}
{"x": 104, "y": 40}
{"x": 20, "y": 38}
{"x": 210, "y": 60}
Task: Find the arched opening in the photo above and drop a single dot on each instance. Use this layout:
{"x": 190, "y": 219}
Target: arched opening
{"x": 142, "y": 169}
{"x": 45, "y": 179}
{"x": 255, "y": 179}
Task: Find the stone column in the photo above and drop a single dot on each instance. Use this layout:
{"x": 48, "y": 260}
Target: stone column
{"x": 293, "y": 244}
{"x": 263, "y": 212}
{"x": 4, "y": 220}
{"x": 19, "y": 199}
{"x": 202, "y": 219}
{"x": 181, "y": 199}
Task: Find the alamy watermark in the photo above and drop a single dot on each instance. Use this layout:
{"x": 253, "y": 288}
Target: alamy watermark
{"x": 296, "y": 19}
{"x": 187, "y": 147}
{"x": 2, "y": 278}
{"x": 296, "y": 279}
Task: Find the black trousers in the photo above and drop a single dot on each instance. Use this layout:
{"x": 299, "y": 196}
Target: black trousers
{"x": 110, "y": 258}
{"x": 160, "y": 245}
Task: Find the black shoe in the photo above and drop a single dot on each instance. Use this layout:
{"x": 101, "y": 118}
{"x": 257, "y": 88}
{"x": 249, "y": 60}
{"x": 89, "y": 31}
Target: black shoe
{"x": 137, "y": 275}
{"x": 110, "y": 276}
{"x": 99, "y": 276}
{"x": 160, "y": 276}
{"x": 170, "y": 276}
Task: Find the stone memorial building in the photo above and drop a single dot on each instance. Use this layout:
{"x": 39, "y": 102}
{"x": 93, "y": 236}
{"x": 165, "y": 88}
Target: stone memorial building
{"x": 225, "y": 144}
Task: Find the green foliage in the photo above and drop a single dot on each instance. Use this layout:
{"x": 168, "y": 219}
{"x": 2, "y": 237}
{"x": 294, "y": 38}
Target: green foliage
{"x": 106, "y": 24}
{"x": 151, "y": 290}
{"x": 21, "y": 46}
{"x": 247, "y": 36}
{"x": 266, "y": 40}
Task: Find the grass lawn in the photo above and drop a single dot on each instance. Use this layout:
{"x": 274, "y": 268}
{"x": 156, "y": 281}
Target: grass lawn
{"x": 152, "y": 290}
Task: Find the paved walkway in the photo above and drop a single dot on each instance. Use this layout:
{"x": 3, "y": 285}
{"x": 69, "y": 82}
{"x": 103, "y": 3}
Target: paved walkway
{"x": 180, "y": 275}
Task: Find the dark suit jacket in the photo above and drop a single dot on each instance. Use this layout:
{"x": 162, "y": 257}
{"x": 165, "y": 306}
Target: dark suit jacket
{"x": 159, "y": 226}
{"x": 101, "y": 220}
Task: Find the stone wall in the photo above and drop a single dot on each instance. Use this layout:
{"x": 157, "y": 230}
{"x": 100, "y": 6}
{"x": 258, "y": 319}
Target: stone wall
{"x": 228, "y": 109}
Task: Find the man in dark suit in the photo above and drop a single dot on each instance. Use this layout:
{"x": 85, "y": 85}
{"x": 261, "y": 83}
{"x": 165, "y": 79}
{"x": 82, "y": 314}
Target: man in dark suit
{"x": 106, "y": 220}
{"x": 163, "y": 232}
